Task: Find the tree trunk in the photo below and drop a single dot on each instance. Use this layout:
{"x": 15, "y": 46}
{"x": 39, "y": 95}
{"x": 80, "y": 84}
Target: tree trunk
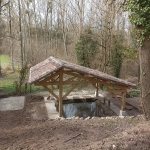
{"x": 51, "y": 28}
{"x": 145, "y": 77}
{"x": 20, "y": 32}
{"x": 0, "y": 38}
{"x": 10, "y": 39}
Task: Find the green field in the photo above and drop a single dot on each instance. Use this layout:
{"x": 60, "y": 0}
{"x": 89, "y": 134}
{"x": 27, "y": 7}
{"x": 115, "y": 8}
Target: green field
{"x": 8, "y": 79}
{"x": 5, "y": 61}
{"x": 7, "y": 84}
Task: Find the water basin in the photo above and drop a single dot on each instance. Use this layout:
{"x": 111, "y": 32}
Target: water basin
{"x": 83, "y": 109}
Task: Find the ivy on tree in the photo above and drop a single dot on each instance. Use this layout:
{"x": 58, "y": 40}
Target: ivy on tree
{"x": 140, "y": 17}
{"x": 85, "y": 48}
{"x": 116, "y": 61}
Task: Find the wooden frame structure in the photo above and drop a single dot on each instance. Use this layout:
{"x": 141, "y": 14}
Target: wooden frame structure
{"x": 69, "y": 74}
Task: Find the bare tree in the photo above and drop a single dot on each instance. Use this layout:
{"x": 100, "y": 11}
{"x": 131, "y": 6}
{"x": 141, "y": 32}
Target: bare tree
{"x": 20, "y": 34}
{"x": 53, "y": 27}
{"x": 11, "y": 39}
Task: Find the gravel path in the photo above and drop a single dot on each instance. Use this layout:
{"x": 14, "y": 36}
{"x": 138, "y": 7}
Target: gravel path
{"x": 12, "y": 103}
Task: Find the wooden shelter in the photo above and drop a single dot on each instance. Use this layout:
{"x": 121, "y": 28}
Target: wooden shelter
{"x": 53, "y": 71}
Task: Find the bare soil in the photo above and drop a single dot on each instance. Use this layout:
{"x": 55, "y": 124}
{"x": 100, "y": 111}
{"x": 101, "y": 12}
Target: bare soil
{"x": 30, "y": 129}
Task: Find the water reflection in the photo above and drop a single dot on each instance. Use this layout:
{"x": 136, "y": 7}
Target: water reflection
{"x": 83, "y": 109}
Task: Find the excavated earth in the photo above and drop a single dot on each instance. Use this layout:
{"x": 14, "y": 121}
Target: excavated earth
{"x": 29, "y": 128}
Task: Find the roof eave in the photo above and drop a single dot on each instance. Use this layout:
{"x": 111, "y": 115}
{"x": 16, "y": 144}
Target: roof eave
{"x": 44, "y": 75}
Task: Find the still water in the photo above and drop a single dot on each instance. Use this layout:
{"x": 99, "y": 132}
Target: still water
{"x": 83, "y": 109}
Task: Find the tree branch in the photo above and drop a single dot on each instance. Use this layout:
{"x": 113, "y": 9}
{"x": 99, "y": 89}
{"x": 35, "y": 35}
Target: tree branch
{"x": 5, "y": 4}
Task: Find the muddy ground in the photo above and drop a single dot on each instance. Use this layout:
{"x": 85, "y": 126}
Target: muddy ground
{"x": 30, "y": 129}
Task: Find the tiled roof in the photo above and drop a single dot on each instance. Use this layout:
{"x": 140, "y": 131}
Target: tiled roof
{"x": 52, "y": 64}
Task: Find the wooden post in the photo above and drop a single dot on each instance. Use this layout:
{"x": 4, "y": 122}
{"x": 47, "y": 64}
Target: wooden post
{"x": 108, "y": 103}
{"x": 60, "y": 92}
{"x": 52, "y": 88}
{"x": 96, "y": 89}
{"x": 123, "y": 104}
{"x": 104, "y": 100}
{"x": 30, "y": 88}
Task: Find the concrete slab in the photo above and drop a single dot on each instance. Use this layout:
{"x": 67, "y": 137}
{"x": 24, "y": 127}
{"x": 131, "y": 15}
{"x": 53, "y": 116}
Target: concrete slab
{"x": 115, "y": 109}
{"x": 114, "y": 106}
{"x": 69, "y": 97}
{"x": 12, "y": 103}
{"x": 51, "y": 109}
{"x": 135, "y": 102}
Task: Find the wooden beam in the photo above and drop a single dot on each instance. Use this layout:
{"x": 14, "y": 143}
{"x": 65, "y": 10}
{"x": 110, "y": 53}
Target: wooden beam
{"x": 73, "y": 87}
{"x": 65, "y": 83}
{"x": 57, "y": 78}
{"x": 122, "y": 92}
{"x": 49, "y": 77}
{"x": 123, "y": 101}
{"x": 88, "y": 78}
{"x": 60, "y": 92}
{"x": 52, "y": 87}
{"x": 117, "y": 90}
{"x": 94, "y": 85}
{"x": 70, "y": 79}
{"x": 54, "y": 79}
{"x": 116, "y": 98}
{"x": 79, "y": 82}
{"x": 51, "y": 92}
{"x": 78, "y": 75}
{"x": 68, "y": 70}
{"x": 101, "y": 81}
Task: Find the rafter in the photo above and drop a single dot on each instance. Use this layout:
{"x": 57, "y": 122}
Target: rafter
{"x": 49, "y": 77}
{"x": 73, "y": 87}
{"x": 51, "y": 92}
{"x": 70, "y": 79}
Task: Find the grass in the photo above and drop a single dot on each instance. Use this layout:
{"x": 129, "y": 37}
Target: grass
{"x": 5, "y": 61}
{"x": 8, "y": 78}
{"x": 7, "y": 84}
{"x": 132, "y": 120}
{"x": 133, "y": 92}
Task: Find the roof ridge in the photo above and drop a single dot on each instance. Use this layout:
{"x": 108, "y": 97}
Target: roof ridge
{"x": 57, "y": 60}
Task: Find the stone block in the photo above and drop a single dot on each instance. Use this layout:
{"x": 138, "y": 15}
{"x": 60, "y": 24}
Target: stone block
{"x": 122, "y": 113}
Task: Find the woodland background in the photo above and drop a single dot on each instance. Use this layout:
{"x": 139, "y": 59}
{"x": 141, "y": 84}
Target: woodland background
{"x": 92, "y": 33}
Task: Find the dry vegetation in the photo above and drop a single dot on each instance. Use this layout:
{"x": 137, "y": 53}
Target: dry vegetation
{"x": 54, "y": 28}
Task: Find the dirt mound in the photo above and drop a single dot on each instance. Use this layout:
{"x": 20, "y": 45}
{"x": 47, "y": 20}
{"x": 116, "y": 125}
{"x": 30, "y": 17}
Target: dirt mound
{"x": 136, "y": 138}
{"x": 34, "y": 98}
{"x": 35, "y": 108}
{"x": 26, "y": 129}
